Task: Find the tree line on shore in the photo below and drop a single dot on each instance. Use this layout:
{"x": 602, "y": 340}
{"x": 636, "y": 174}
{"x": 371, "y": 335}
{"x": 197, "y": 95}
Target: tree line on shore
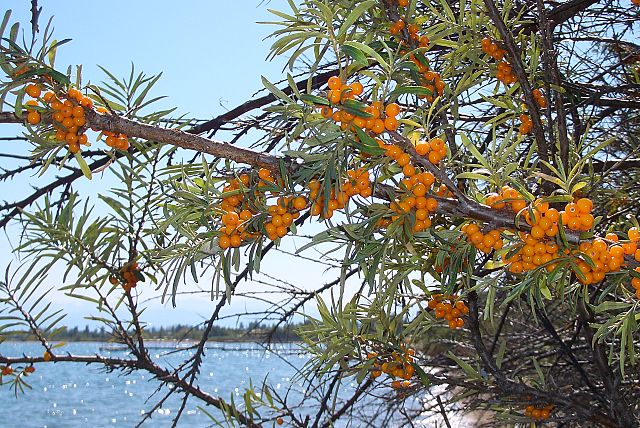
{"x": 254, "y": 331}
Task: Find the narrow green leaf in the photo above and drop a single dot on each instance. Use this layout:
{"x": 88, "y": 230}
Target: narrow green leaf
{"x": 356, "y": 54}
{"x": 83, "y": 165}
{"x": 355, "y": 14}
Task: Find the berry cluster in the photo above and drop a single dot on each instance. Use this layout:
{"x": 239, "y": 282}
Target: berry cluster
{"x": 435, "y": 150}
{"x": 68, "y": 117}
{"x": 483, "y": 242}
{"x": 508, "y": 197}
{"x": 452, "y": 311}
{"x": 397, "y": 26}
{"x": 504, "y": 71}
{"x": 544, "y": 221}
{"x": 357, "y": 184}
{"x": 532, "y": 254}
{"x": 67, "y": 114}
{"x": 538, "y": 413}
{"x": 539, "y": 98}
{"x": 6, "y": 370}
{"x": 604, "y": 257}
{"x": 416, "y": 182}
{"x": 235, "y": 215}
{"x": 397, "y": 365}
{"x": 282, "y": 215}
{"x": 526, "y": 125}
{"x": 370, "y": 118}
{"x": 577, "y": 215}
{"x": 129, "y": 276}
{"x": 113, "y": 139}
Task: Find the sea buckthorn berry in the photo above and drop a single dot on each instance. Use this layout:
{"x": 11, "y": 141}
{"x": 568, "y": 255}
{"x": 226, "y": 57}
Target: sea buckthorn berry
{"x": 335, "y": 83}
{"x": 584, "y": 205}
{"x": 224, "y": 242}
{"x": 33, "y": 118}
{"x": 392, "y": 109}
{"x": 33, "y": 90}
{"x": 74, "y": 93}
{"x": 391, "y": 123}
{"x": 356, "y": 88}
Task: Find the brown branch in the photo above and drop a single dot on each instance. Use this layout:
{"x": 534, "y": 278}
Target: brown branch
{"x": 566, "y": 11}
{"x": 35, "y": 14}
{"x": 9, "y": 117}
{"x": 87, "y": 359}
{"x": 182, "y": 139}
{"x": 516, "y": 63}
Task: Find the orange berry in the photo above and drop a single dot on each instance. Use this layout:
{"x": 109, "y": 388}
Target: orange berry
{"x": 235, "y": 240}
{"x": 434, "y": 157}
{"x": 33, "y": 90}
{"x": 264, "y": 173}
{"x": 611, "y": 237}
{"x": 378, "y": 126}
{"x": 86, "y": 102}
{"x": 79, "y": 121}
{"x": 224, "y": 242}
{"x": 335, "y": 83}
{"x": 33, "y": 117}
{"x": 392, "y": 109}
{"x": 356, "y": 88}
{"x": 390, "y": 123}
{"x": 584, "y": 205}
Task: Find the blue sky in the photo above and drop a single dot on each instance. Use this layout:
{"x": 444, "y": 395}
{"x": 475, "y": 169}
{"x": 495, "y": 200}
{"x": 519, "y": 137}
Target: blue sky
{"x": 212, "y": 55}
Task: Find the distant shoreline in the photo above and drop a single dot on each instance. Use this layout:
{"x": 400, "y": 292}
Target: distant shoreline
{"x": 154, "y": 340}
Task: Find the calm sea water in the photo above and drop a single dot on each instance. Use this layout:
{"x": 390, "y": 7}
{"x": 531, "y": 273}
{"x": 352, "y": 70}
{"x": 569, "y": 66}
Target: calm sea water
{"x": 73, "y": 395}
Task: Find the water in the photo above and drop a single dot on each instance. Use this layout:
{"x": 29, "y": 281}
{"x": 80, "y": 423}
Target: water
{"x": 76, "y": 395}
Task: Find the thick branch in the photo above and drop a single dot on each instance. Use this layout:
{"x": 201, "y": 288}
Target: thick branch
{"x": 182, "y": 139}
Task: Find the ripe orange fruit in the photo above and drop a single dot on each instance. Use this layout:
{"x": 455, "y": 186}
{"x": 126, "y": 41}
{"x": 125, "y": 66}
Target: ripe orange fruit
{"x": 334, "y": 83}
{"x": 584, "y": 205}
{"x": 224, "y": 242}
{"x": 391, "y": 123}
{"x": 392, "y": 109}
{"x": 33, "y": 90}
{"x": 33, "y": 117}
